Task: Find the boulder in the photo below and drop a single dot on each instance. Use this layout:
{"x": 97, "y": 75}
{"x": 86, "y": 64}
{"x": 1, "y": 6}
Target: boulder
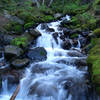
{"x": 80, "y": 62}
{"x": 12, "y": 51}
{"x": 8, "y": 38}
{"x": 75, "y": 42}
{"x": 50, "y": 30}
{"x": 75, "y": 54}
{"x": 5, "y": 39}
{"x": 83, "y": 41}
{"x": 20, "y": 63}
{"x": 55, "y": 35}
{"x": 44, "y": 26}
{"x": 34, "y": 32}
{"x": 65, "y": 22}
{"x": 66, "y": 31}
{"x": 85, "y": 34}
{"x": 37, "y": 54}
{"x": 66, "y": 44}
{"x": 62, "y": 37}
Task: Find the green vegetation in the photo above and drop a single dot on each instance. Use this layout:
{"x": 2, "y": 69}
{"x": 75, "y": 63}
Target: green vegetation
{"x": 94, "y": 61}
{"x": 20, "y": 41}
{"x": 84, "y": 21}
{"x": 74, "y": 35}
{"x": 97, "y": 32}
{"x": 29, "y": 25}
{"x": 15, "y": 27}
{"x": 85, "y": 16}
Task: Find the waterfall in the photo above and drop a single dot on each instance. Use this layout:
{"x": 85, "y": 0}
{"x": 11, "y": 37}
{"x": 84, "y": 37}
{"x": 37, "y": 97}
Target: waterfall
{"x": 58, "y": 77}
{"x": 4, "y": 86}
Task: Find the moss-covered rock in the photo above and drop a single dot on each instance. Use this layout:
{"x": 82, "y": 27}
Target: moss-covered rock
{"x": 85, "y": 21}
{"x": 94, "y": 61}
{"x": 97, "y": 10}
{"x": 14, "y": 27}
{"x": 75, "y": 35}
{"x": 20, "y": 41}
{"x": 97, "y": 32}
{"x": 29, "y": 25}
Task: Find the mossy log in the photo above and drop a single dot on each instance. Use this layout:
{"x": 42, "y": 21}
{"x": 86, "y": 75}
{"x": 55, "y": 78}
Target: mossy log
{"x": 15, "y": 93}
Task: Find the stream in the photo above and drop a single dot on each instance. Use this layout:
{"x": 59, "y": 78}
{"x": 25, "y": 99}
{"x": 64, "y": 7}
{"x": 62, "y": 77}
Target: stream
{"x": 57, "y": 78}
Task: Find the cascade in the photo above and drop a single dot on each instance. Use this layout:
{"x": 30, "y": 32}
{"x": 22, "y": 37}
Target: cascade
{"x": 57, "y": 78}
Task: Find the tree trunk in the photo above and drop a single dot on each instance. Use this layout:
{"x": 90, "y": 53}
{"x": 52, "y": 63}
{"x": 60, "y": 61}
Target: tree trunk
{"x": 50, "y": 3}
{"x": 43, "y": 2}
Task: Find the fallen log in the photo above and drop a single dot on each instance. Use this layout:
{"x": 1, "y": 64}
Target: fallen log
{"x": 15, "y": 93}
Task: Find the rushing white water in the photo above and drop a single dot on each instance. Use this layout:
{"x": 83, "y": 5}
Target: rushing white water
{"x": 57, "y": 78}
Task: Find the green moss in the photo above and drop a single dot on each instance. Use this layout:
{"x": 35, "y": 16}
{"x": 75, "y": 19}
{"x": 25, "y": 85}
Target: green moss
{"x": 47, "y": 18}
{"x": 15, "y": 27}
{"x": 42, "y": 53}
{"x": 74, "y": 35}
{"x": 97, "y": 32}
{"x": 69, "y": 7}
{"x": 96, "y": 2}
{"x": 94, "y": 61}
{"x": 20, "y": 41}
{"x": 75, "y": 8}
{"x": 45, "y": 10}
{"x": 29, "y": 25}
{"x": 98, "y": 90}
{"x": 18, "y": 28}
{"x": 84, "y": 21}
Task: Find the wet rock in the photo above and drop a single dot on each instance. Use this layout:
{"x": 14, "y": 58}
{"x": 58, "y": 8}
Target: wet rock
{"x": 80, "y": 62}
{"x": 34, "y": 32}
{"x": 6, "y": 39}
{"x": 38, "y": 88}
{"x": 75, "y": 42}
{"x": 55, "y": 35}
{"x": 61, "y": 61}
{"x": 37, "y": 68}
{"x": 78, "y": 31}
{"x": 4, "y": 67}
{"x": 85, "y": 34}
{"x": 59, "y": 28}
{"x": 62, "y": 37}
{"x": 87, "y": 48}
{"x": 66, "y": 31}
{"x": 83, "y": 41}
{"x": 1, "y": 51}
{"x": 66, "y": 44}
{"x": 57, "y": 15}
{"x": 12, "y": 51}
{"x": 65, "y": 22}
{"x": 75, "y": 54}
{"x": 44, "y": 26}
{"x": 50, "y": 30}
{"x": 20, "y": 63}
{"x": 37, "y": 54}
